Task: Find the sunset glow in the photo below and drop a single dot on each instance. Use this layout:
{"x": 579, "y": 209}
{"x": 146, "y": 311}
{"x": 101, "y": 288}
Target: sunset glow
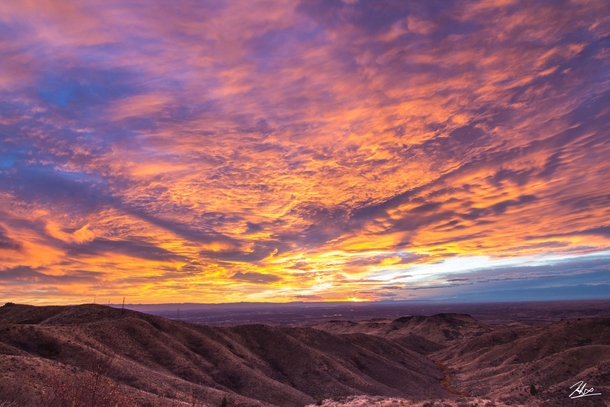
{"x": 315, "y": 150}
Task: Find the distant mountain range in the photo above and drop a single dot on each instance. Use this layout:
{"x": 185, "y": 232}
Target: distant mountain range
{"x": 155, "y": 361}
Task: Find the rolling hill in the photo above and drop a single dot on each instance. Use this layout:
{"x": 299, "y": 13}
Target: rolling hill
{"x": 441, "y": 360}
{"x": 506, "y": 363}
{"x": 158, "y": 359}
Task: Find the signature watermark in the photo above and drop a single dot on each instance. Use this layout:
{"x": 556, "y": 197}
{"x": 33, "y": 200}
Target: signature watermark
{"x": 582, "y": 391}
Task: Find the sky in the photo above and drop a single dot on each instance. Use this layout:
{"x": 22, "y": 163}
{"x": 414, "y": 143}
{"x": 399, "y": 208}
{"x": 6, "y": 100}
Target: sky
{"x": 316, "y": 150}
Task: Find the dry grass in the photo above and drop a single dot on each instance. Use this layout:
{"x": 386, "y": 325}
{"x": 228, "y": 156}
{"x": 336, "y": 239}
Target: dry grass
{"x": 368, "y": 401}
{"x": 95, "y": 356}
{"x": 252, "y": 365}
{"x": 92, "y": 388}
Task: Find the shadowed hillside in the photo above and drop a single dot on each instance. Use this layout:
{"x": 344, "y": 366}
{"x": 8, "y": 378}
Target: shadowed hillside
{"x": 157, "y": 359}
{"x": 421, "y": 330}
{"x": 532, "y": 366}
{"x": 505, "y": 364}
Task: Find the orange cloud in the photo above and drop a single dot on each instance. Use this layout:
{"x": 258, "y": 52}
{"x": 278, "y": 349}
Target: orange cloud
{"x": 270, "y": 151}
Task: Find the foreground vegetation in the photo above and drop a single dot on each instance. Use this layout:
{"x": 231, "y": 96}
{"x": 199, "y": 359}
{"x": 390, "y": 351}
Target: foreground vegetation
{"x": 372, "y": 401}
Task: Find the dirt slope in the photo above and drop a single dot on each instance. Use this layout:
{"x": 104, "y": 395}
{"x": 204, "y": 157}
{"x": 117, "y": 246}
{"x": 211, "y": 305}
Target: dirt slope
{"x": 425, "y": 333}
{"x": 506, "y": 363}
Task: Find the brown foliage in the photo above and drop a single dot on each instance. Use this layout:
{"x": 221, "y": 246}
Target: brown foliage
{"x": 14, "y": 393}
{"x": 92, "y": 388}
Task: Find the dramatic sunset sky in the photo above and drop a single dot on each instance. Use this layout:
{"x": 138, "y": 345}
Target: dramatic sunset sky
{"x": 316, "y": 150}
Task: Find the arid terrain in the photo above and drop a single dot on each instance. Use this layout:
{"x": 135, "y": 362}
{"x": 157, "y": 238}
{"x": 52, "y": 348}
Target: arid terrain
{"x": 314, "y": 313}
{"x": 50, "y": 355}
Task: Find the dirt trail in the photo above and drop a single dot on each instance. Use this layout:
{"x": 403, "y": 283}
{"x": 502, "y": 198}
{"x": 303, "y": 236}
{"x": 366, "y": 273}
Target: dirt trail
{"x": 445, "y": 382}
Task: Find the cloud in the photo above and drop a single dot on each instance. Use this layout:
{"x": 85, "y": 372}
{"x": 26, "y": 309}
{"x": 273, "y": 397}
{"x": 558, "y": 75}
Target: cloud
{"x": 601, "y": 231}
{"x": 6, "y": 243}
{"x": 306, "y": 297}
{"x": 255, "y": 278}
{"x": 24, "y": 275}
{"x": 142, "y": 250}
{"x": 81, "y": 235}
{"x": 58, "y": 189}
{"x": 569, "y": 286}
{"x": 85, "y": 87}
{"x": 170, "y": 147}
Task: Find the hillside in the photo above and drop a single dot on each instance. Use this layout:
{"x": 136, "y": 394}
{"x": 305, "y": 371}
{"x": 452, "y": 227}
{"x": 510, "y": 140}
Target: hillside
{"x": 441, "y": 360}
{"x": 155, "y": 360}
{"x": 504, "y": 364}
{"x": 425, "y": 333}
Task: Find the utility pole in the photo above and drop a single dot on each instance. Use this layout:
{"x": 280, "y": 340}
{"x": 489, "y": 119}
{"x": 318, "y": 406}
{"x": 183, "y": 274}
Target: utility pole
{"x": 123, "y": 307}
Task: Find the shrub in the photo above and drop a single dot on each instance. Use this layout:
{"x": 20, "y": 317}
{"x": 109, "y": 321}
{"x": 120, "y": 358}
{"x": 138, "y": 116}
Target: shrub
{"x": 93, "y": 388}
{"x": 15, "y": 393}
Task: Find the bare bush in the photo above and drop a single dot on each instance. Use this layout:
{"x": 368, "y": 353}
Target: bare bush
{"x": 92, "y": 388}
{"x": 14, "y": 393}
